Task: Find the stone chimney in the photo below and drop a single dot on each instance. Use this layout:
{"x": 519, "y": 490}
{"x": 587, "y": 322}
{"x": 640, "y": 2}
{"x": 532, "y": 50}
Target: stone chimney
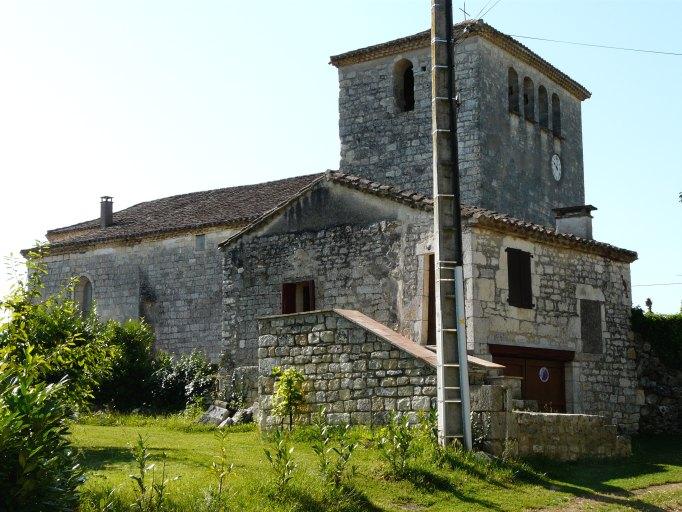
{"x": 575, "y": 220}
{"x": 106, "y": 209}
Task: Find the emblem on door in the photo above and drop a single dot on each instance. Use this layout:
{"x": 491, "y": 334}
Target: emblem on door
{"x": 543, "y": 374}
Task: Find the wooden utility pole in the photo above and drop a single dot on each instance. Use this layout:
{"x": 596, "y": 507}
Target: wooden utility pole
{"x": 453, "y": 379}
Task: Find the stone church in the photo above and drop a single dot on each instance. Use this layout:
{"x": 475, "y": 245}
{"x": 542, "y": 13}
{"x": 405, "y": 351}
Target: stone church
{"x": 333, "y": 272}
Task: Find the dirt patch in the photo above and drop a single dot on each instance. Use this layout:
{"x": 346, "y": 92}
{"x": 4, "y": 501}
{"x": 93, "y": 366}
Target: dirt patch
{"x": 628, "y": 499}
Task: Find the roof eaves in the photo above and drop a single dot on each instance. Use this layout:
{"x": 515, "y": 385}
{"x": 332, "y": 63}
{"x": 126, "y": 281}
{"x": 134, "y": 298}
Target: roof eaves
{"x": 464, "y": 30}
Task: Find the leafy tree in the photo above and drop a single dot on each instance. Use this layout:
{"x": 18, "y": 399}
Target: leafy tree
{"x": 54, "y": 330}
{"x": 288, "y": 395}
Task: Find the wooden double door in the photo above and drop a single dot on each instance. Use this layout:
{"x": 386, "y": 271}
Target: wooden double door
{"x": 543, "y": 373}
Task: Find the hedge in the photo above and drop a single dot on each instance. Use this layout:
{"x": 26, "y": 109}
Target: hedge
{"x": 663, "y": 332}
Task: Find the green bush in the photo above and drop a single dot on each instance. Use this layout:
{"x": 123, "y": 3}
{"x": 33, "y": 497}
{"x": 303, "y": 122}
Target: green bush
{"x": 333, "y": 452}
{"x": 129, "y": 385}
{"x": 38, "y": 467}
{"x": 663, "y": 332}
{"x": 281, "y": 459}
{"x": 396, "y": 445}
{"x": 178, "y": 383}
{"x": 288, "y": 395}
{"x": 68, "y": 344}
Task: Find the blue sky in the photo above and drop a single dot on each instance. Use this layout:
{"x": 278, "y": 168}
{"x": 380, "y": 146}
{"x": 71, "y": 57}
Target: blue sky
{"x": 143, "y": 99}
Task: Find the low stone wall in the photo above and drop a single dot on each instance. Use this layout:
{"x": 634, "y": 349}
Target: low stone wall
{"x": 660, "y": 395}
{"x": 499, "y": 429}
{"x": 567, "y": 436}
{"x": 356, "y": 375}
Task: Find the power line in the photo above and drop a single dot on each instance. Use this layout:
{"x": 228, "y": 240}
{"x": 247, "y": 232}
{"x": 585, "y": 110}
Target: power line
{"x": 657, "y": 284}
{"x": 676, "y": 54}
{"x": 483, "y": 8}
{"x": 490, "y": 8}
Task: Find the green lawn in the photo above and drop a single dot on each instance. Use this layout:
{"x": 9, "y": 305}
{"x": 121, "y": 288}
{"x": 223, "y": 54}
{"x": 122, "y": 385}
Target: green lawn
{"x": 190, "y": 449}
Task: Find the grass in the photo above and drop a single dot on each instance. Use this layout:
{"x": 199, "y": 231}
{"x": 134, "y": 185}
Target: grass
{"x": 472, "y": 483}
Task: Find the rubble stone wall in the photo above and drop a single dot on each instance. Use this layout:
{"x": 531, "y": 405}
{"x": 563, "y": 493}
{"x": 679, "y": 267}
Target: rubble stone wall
{"x": 371, "y": 266}
{"x": 502, "y": 430}
{"x": 358, "y": 377}
{"x": 602, "y": 382}
{"x": 175, "y": 286}
{"x": 660, "y": 393}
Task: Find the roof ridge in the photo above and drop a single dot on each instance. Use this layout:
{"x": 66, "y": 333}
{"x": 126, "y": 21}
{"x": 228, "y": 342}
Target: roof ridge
{"x": 86, "y": 224}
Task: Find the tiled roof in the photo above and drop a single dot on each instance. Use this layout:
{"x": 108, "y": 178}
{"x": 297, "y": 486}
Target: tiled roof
{"x": 249, "y": 206}
{"x": 463, "y": 30}
{"x": 484, "y": 217}
{"x": 232, "y": 206}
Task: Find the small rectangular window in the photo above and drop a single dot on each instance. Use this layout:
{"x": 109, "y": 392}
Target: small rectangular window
{"x": 200, "y": 242}
{"x": 298, "y": 297}
{"x": 590, "y": 326}
{"x": 518, "y": 269}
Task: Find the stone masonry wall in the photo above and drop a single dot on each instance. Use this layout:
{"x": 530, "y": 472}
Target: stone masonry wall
{"x": 358, "y": 377}
{"x": 389, "y": 146}
{"x": 175, "y": 286}
{"x": 660, "y": 393}
{"x": 515, "y": 160}
{"x": 567, "y": 436}
{"x": 499, "y": 429}
{"x": 372, "y": 268}
{"x": 602, "y": 383}
{"x": 504, "y": 158}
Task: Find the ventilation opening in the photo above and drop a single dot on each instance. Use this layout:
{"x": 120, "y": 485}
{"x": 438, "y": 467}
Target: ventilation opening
{"x": 556, "y": 115}
{"x": 403, "y": 77}
{"x": 528, "y": 99}
{"x": 513, "y": 85}
{"x": 543, "y": 106}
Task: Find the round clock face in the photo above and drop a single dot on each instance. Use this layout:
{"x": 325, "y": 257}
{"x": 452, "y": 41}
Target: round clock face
{"x": 556, "y": 167}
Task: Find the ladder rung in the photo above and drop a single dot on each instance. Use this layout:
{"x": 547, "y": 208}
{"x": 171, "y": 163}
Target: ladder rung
{"x": 446, "y": 280}
{"x": 445, "y": 195}
{"x": 451, "y": 387}
{"x": 451, "y": 401}
{"x": 451, "y": 365}
{"x": 449, "y": 330}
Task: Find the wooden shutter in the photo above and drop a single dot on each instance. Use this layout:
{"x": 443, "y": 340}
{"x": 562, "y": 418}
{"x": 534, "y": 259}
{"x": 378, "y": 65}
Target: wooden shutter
{"x": 518, "y": 269}
{"x": 309, "y": 295}
{"x": 288, "y": 298}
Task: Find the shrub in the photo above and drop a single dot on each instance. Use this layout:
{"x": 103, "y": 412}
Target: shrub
{"x": 150, "y": 491}
{"x": 68, "y": 344}
{"x": 663, "y": 332}
{"x": 288, "y": 392}
{"x": 38, "y": 467}
{"x": 129, "y": 385}
{"x": 333, "y": 452}
{"x": 396, "y": 444}
{"x": 280, "y": 457}
{"x": 177, "y": 384}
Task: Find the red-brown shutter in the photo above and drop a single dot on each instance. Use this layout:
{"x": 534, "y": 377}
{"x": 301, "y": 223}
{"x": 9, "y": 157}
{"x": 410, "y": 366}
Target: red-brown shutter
{"x": 519, "y": 277}
{"x": 288, "y": 298}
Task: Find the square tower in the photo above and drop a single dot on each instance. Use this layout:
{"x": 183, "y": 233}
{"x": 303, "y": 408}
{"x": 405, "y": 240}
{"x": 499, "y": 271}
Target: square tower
{"x": 519, "y": 121}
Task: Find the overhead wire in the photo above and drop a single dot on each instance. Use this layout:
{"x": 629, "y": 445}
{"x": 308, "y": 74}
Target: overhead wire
{"x": 657, "y": 284}
{"x": 490, "y": 8}
{"x": 593, "y": 45}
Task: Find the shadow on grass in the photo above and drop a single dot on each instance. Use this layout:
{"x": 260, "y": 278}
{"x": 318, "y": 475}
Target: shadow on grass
{"x": 588, "y": 478}
{"x": 349, "y": 499}
{"x": 103, "y": 457}
{"x": 431, "y": 481}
